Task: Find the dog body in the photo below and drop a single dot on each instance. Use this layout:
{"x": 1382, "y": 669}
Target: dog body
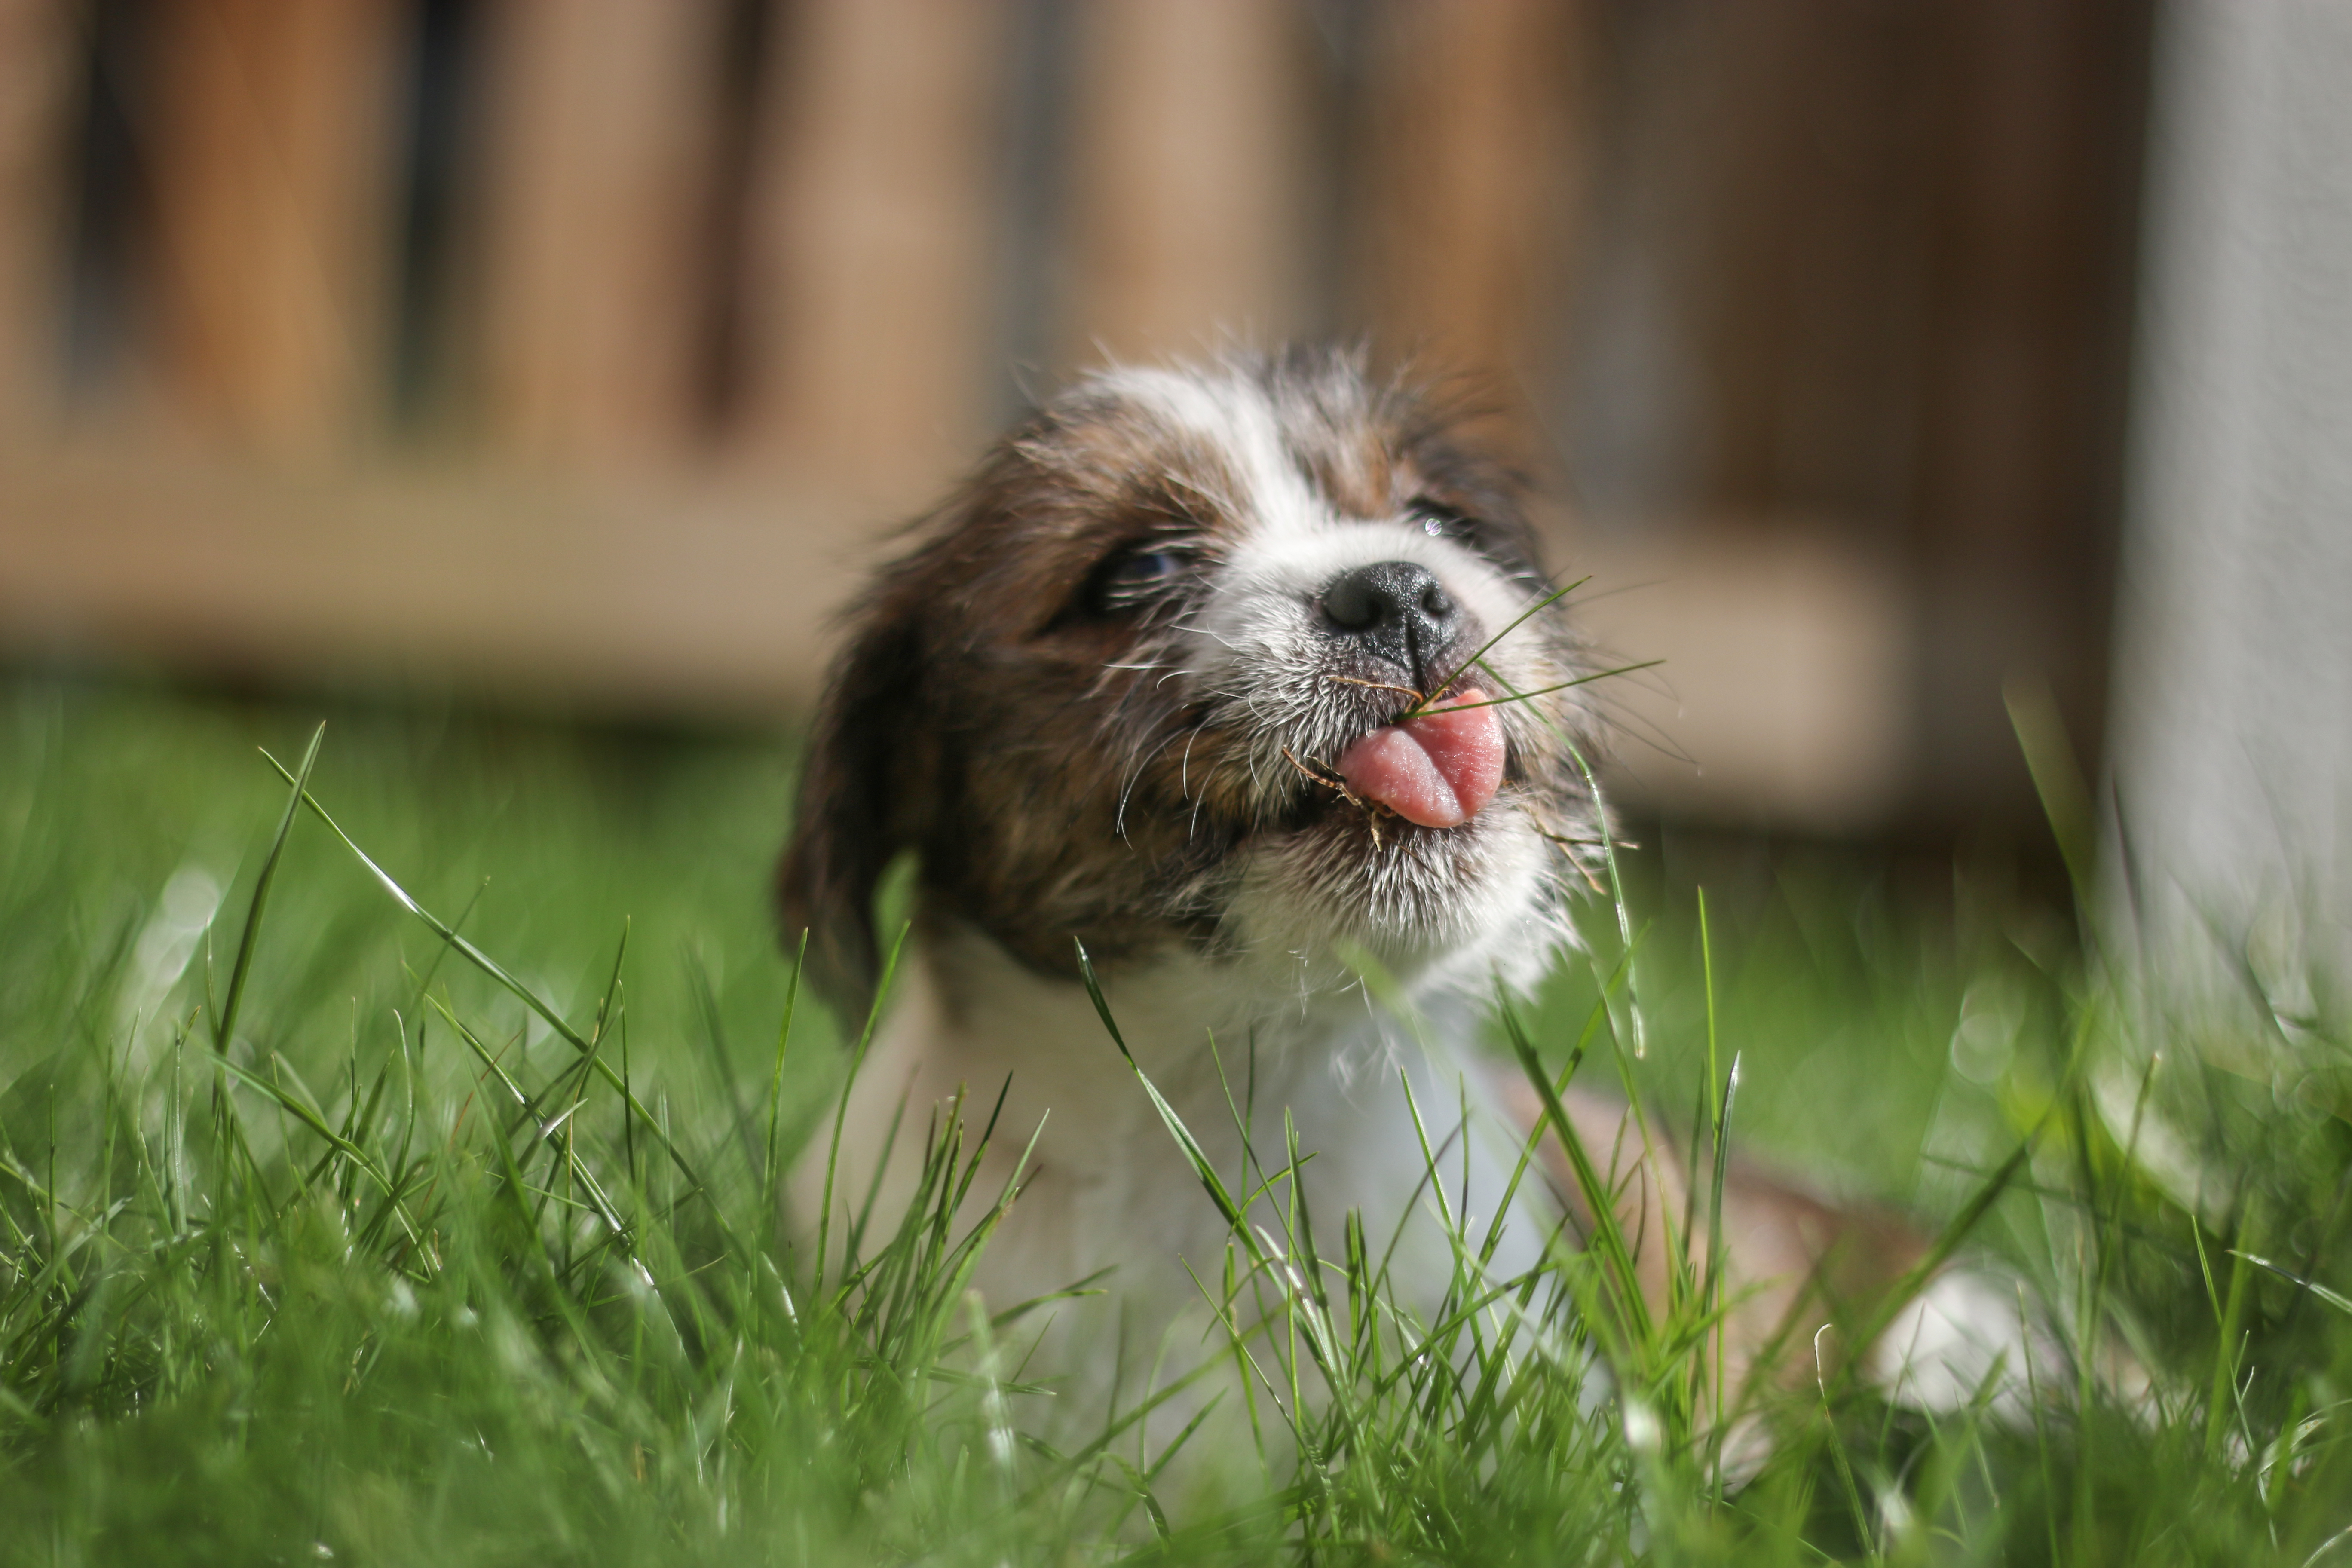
{"x": 1243, "y": 677}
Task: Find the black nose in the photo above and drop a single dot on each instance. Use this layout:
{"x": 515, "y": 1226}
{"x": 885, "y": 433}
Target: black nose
{"x": 1394, "y": 609}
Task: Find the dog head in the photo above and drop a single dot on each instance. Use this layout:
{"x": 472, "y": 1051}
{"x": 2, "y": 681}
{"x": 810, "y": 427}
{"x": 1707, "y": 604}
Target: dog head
{"x": 1230, "y": 657}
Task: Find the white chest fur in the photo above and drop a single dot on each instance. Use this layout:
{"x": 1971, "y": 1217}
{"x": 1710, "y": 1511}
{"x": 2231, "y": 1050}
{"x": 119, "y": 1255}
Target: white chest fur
{"x": 1107, "y": 1187}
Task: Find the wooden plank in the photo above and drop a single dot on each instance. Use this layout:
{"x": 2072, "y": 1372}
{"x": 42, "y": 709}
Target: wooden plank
{"x": 1474, "y": 122}
{"x": 599, "y": 121}
{"x": 36, "y": 61}
{"x": 270, "y": 144}
{"x": 1784, "y": 701}
{"x": 614, "y": 595}
{"x": 1191, "y": 211}
{"x": 869, "y": 299}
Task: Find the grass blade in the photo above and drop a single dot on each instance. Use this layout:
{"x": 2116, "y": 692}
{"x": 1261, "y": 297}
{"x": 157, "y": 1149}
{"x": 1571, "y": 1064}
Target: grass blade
{"x": 1484, "y": 649}
{"x": 224, "y": 1027}
{"x": 1548, "y": 690}
{"x": 840, "y": 1108}
{"x": 783, "y": 1036}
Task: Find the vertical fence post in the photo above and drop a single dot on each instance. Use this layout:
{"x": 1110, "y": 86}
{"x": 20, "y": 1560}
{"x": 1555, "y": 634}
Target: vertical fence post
{"x": 1189, "y": 212}
{"x": 598, "y": 119}
{"x": 37, "y": 96}
{"x": 1475, "y": 122}
{"x": 271, "y": 150}
{"x": 869, "y": 293}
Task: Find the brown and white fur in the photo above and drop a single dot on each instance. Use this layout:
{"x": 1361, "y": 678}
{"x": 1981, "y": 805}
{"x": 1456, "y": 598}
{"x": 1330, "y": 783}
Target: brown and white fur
{"x": 1101, "y": 698}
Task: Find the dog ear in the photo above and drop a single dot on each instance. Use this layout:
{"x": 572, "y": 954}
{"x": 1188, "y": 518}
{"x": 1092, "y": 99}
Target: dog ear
{"x": 860, "y": 795}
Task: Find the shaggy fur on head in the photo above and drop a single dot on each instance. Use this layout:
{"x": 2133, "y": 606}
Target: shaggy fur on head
{"x": 1078, "y": 745}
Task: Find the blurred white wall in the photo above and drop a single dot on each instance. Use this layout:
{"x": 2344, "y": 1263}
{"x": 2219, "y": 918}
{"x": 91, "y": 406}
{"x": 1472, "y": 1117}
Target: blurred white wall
{"x": 2232, "y": 747}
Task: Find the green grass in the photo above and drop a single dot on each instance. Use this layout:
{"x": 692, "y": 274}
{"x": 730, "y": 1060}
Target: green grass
{"x": 456, "y": 1256}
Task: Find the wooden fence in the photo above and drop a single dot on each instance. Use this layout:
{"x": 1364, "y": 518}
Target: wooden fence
{"x": 585, "y": 347}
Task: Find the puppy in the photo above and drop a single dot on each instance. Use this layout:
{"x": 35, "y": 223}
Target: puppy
{"x": 1244, "y": 676}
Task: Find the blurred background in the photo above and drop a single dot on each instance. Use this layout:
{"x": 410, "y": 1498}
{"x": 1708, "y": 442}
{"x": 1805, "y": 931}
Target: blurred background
{"x": 572, "y": 355}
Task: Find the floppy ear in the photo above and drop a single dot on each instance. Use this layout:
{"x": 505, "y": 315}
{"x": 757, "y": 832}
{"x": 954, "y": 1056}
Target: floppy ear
{"x": 861, "y": 798}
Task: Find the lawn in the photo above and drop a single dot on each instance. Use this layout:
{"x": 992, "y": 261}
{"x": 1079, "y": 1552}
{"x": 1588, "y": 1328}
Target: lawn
{"x": 327, "y": 1235}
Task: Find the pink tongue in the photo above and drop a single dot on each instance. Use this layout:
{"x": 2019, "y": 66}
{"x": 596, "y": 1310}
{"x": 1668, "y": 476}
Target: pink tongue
{"x": 1438, "y": 770}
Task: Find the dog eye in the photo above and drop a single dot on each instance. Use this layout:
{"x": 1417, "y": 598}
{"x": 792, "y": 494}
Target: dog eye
{"x": 1143, "y": 568}
{"x": 1442, "y": 521}
{"x": 1139, "y": 575}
